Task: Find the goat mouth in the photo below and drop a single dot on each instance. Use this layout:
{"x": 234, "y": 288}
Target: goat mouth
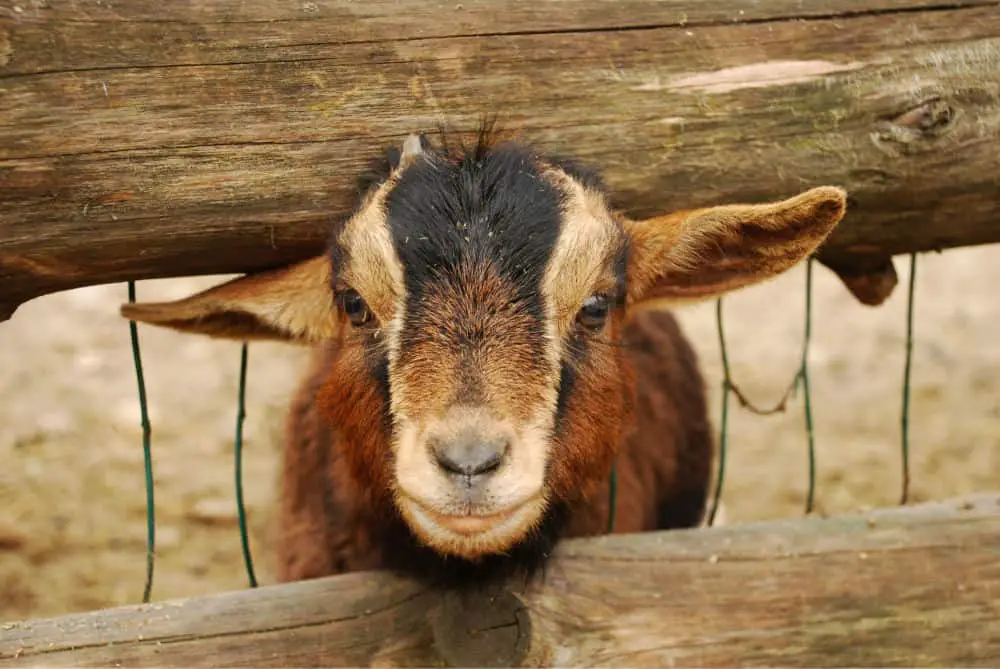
{"x": 470, "y": 524}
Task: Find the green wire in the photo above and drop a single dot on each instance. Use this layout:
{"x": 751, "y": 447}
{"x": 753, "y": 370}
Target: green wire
{"x": 238, "y": 448}
{"x": 905, "y": 417}
{"x": 725, "y": 413}
{"x": 146, "y": 453}
{"x": 804, "y": 377}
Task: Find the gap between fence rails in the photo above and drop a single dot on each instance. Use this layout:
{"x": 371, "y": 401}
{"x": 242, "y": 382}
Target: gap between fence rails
{"x": 802, "y": 376}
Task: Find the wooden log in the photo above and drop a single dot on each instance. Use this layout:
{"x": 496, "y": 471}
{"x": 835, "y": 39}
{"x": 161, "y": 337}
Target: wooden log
{"x": 151, "y": 139}
{"x": 912, "y": 586}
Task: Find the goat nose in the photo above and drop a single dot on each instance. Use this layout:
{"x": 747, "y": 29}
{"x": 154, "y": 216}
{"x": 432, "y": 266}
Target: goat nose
{"x": 470, "y": 456}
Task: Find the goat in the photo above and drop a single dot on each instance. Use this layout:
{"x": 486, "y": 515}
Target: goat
{"x": 485, "y": 355}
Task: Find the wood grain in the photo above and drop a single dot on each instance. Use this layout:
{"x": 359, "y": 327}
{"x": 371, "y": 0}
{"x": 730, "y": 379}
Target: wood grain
{"x": 233, "y": 144}
{"x": 913, "y": 586}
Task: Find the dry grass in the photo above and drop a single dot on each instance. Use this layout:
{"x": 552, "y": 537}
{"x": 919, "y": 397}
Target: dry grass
{"x": 71, "y": 486}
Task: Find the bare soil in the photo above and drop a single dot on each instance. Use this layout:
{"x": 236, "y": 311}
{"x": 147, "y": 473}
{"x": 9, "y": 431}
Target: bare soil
{"x": 72, "y": 525}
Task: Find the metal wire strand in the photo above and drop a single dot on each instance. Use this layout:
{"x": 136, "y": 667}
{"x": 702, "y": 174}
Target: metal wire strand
{"x": 726, "y": 387}
{"x": 905, "y": 413}
{"x": 803, "y": 377}
{"x": 146, "y": 453}
{"x": 238, "y": 455}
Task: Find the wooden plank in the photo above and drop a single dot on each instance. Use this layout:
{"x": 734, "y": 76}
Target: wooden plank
{"x": 63, "y": 37}
{"x": 914, "y": 586}
{"x": 232, "y": 148}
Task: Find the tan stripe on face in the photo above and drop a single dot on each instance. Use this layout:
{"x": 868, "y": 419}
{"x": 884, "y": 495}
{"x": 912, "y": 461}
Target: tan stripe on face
{"x": 580, "y": 264}
{"x": 373, "y": 268}
{"x": 578, "y": 267}
{"x": 375, "y": 271}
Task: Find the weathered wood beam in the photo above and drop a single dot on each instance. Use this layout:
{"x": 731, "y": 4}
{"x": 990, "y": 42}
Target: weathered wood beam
{"x": 150, "y": 139}
{"x": 914, "y": 586}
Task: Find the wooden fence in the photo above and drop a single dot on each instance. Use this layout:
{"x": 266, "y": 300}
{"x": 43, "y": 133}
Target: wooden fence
{"x": 914, "y": 586}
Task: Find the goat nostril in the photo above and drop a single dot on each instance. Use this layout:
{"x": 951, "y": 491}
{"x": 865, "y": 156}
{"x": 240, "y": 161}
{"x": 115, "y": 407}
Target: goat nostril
{"x": 488, "y": 465}
{"x": 466, "y": 458}
{"x": 446, "y": 463}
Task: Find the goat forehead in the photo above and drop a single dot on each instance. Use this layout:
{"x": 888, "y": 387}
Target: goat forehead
{"x": 472, "y": 305}
{"x": 494, "y": 210}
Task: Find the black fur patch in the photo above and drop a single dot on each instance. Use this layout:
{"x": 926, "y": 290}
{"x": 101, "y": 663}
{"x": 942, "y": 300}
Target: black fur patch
{"x": 567, "y": 382}
{"x": 377, "y": 361}
{"x": 684, "y": 510}
{"x": 483, "y": 206}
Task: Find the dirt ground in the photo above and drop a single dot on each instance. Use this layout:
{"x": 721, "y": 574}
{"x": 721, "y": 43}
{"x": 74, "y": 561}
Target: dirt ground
{"x": 72, "y": 525}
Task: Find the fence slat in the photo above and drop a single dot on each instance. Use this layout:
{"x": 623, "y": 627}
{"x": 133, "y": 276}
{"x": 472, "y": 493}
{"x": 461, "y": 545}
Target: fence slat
{"x": 913, "y": 586}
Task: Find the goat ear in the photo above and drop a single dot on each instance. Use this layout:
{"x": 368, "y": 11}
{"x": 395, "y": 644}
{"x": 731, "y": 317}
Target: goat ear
{"x": 293, "y": 304}
{"x": 704, "y": 253}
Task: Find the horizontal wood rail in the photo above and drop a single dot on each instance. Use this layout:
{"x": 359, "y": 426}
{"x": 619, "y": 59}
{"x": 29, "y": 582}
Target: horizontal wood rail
{"x": 911, "y": 586}
{"x": 149, "y": 139}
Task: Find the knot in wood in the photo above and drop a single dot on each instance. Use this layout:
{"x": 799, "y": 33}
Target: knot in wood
{"x": 903, "y": 132}
{"x": 485, "y": 628}
{"x": 930, "y": 117}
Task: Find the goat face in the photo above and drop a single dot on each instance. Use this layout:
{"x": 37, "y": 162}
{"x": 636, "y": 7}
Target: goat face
{"x": 488, "y": 286}
{"x": 478, "y": 296}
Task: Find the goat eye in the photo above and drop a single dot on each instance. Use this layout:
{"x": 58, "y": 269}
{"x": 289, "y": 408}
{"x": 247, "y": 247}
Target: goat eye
{"x": 355, "y": 307}
{"x": 593, "y": 312}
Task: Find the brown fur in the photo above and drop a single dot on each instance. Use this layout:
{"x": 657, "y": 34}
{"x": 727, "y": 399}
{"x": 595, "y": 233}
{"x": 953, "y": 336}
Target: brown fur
{"x": 439, "y": 371}
{"x": 326, "y": 521}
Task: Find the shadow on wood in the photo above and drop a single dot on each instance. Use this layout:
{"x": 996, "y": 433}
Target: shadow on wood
{"x": 912, "y": 586}
{"x": 231, "y": 145}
